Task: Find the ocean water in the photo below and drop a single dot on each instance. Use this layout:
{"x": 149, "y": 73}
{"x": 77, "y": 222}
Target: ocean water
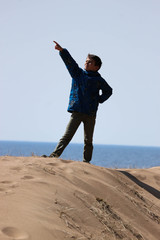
{"x": 111, "y": 156}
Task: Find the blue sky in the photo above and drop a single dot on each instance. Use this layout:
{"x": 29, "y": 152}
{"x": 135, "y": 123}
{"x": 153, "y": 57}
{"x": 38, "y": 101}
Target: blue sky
{"x": 35, "y": 85}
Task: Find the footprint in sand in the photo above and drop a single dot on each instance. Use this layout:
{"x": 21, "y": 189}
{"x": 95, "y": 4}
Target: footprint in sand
{"x": 27, "y": 177}
{"x": 52, "y": 164}
{"x": 66, "y": 161}
{"x": 7, "y": 186}
{"x": 6, "y": 182}
{"x": 15, "y": 233}
{"x": 2, "y": 189}
{"x": 57, "y": 163}
{"x": 16, "y": 168}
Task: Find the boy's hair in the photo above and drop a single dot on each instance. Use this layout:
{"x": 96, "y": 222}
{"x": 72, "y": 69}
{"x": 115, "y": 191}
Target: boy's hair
{"x": 96, "y": 59}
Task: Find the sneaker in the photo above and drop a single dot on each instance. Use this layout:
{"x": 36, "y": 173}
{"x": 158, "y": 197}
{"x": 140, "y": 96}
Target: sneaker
{"x": 53, "y": 155}
{"x": 86, "y": 161}
{"x": 44, "y": 156}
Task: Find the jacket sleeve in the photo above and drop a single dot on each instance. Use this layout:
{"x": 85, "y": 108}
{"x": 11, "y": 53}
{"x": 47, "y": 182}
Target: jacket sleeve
{"x": 106, "y": 91}
{"x": 70, "y": 63}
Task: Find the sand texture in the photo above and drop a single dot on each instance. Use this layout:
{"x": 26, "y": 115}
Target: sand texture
{"x": 55, "y": 199}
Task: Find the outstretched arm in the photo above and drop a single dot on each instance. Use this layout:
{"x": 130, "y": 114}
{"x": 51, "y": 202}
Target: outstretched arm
{"x": 70, "y": 63}
{"x": 57, "y": 46}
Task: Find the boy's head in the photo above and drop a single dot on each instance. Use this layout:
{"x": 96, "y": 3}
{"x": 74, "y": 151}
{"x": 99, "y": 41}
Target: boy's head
{"x": 93, "y": 63}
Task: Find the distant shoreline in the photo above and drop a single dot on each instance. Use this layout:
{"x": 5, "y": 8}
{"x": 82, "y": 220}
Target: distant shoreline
{"x": 103, "y": 155}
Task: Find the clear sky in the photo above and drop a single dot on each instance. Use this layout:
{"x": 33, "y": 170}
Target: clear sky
{"x": 35, "y": 85}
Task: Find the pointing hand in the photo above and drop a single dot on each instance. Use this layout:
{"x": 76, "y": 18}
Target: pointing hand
{"x": 57, "y": 46}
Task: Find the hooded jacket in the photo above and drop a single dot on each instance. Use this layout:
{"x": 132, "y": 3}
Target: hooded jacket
{"x": 86, "y": 85}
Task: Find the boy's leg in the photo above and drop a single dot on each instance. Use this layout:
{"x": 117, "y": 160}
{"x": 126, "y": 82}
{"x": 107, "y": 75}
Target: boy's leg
{"x": 89, "y": 124}
{"x": 72, "y": 126}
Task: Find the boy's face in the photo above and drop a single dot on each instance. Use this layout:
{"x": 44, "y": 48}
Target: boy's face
{"x": 90, "y": 65}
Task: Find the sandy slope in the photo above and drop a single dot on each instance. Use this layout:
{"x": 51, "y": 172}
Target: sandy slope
{"x": 47, "y": 199}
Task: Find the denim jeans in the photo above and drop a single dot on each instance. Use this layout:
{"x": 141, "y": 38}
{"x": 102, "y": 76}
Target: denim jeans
{"x": 75, "y": 121}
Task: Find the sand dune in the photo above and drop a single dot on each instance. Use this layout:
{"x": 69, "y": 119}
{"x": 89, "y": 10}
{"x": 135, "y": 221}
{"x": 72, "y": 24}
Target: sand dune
{"x": 47, "y": 199}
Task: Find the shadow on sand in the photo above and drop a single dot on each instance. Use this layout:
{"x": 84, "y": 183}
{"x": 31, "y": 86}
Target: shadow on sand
{"x": 145, "y": 186}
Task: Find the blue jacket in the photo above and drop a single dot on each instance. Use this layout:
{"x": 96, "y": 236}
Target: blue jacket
{"x": 86, "y": 85}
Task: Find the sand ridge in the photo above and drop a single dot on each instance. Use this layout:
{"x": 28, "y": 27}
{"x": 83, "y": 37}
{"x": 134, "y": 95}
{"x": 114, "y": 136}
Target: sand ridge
{"x": 59, "y": 199}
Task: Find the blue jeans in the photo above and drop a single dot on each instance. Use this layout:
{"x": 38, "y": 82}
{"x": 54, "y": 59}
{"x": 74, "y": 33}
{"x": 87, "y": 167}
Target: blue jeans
{"x": 75, "y": 121}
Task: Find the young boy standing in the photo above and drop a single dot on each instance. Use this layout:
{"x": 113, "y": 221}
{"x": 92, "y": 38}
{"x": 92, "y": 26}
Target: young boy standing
{"x": 84, "y": 100}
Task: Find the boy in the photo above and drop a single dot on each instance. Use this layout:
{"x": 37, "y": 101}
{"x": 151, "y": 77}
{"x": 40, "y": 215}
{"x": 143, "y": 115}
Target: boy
{"x": 84, "y": 100}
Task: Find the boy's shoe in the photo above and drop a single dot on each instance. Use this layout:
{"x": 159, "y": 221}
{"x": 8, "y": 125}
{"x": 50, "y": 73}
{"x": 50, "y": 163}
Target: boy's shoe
{"x": 50, "y": 156}
{"x": 45, "y": 156}
{"x": 86, "y": 161}
{"x": 53, "y": 155}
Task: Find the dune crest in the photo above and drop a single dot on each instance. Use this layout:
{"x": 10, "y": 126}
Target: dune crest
{"x": 58, "y": 199}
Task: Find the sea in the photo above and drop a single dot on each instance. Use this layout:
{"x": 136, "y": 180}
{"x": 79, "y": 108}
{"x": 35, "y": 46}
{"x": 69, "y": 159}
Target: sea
{"x": 109, "y": 156}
